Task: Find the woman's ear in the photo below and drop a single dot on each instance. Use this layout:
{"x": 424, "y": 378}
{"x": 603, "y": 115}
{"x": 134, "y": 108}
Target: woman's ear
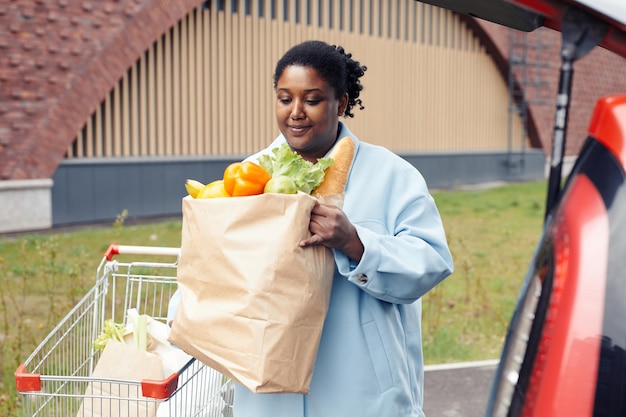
{"x": 343, "y": 104}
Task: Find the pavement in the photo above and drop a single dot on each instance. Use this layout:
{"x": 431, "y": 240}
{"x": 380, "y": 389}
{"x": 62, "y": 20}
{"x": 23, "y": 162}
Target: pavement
{"x": 458, "y": 390}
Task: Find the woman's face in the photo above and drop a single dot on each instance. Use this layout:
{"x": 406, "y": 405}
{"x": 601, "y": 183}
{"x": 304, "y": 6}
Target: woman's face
{"x": 307, "y": 111}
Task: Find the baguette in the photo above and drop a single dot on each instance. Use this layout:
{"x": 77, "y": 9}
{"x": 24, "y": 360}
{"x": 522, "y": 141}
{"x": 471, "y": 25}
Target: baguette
{"x": 336, "y": 175}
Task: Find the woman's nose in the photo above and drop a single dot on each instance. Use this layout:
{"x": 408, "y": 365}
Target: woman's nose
{"x": 297, "y": 111}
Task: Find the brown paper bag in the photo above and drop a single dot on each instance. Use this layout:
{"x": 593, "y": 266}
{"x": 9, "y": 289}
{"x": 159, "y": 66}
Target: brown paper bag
{"x": 253, "y": 302}
{"x": 117, "y": 399}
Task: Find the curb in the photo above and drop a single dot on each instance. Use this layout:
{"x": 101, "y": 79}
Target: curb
{"x": 461, "y": 365}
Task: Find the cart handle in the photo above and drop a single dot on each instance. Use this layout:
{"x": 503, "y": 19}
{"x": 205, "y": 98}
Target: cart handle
{"x": 25, "y": 381}
{"x": 160, "y": 390}
{"x": 115, "y": 249}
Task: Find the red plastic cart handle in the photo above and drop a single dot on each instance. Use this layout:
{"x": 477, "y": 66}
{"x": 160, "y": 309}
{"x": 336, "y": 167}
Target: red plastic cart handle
{"x": 160, "y": 389}
{"x": 112, "y": 250}
{"x": 25, "y": 381}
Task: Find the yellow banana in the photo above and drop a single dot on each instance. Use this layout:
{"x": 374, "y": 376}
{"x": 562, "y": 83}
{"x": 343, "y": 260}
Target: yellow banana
{"x": 193, "y": 187}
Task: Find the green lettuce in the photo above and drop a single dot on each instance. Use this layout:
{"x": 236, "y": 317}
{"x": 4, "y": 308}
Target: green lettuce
{"x": 111, "y": 330}
{"x": 306, "y": 175}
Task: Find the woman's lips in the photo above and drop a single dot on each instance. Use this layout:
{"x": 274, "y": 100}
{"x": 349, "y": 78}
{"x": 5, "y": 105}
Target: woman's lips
{"x": 298, "y": 130}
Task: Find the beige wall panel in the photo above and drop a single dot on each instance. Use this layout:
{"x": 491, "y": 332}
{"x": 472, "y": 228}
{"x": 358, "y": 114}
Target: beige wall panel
{"x": 98, "y": 137}
{"x": 167, "y": 109}
{"x": 246, "y": 96}
{"x": 143, "y": 108}
{"x": 184, "y": 87}
{"x": 192, "y": 80}
{"x": 108, "y": 124}
{"x": 126, "y": 119}
{"x": 89, "y": 138}
{"x": 206, "y": 86}
{"x": 207, "y": 108}
{"x": 159, "y": 99}
{"x": 227, "y": 84}
{"x": 214, "y": 70}
{"x": 199, "y": 89}
{"x": 151, "y": 99}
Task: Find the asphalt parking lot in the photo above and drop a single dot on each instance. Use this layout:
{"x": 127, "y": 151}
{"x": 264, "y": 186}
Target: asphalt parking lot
{"x": 458, "y": 390}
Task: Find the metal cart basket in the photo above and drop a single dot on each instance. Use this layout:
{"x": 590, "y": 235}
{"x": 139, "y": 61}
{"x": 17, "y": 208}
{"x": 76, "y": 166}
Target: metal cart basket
{"x": 56, "y": 379}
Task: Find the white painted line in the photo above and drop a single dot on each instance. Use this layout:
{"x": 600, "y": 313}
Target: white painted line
{"x": 461, "y": 365}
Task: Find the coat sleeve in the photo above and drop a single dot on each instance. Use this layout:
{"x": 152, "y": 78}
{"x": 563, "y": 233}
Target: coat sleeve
{"x": 406, "y": 252}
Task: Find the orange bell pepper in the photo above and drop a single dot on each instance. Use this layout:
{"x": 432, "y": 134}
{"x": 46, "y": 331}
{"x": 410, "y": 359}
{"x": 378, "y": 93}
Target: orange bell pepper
{"x": 245, "y": 178}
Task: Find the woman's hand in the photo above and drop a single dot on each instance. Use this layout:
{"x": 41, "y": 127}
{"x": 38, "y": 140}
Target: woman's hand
{"x": 330, "y": 227}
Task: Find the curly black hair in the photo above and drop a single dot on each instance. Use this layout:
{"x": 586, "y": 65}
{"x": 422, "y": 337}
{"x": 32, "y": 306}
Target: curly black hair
{"x": 333, "y": 64}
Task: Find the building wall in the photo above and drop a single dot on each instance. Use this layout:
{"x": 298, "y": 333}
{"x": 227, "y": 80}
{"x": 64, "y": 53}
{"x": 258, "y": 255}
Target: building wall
{"x": 205, "y": 86}
{"x": 203, "y": 89}
{"x": 97, "y": 190}
{"x": 25, "y": 205}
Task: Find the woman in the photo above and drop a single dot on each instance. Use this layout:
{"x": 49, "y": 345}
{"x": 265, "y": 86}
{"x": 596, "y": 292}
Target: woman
{"x": 389, "y": 246}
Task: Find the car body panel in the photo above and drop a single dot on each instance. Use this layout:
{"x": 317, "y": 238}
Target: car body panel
{"x": 611, "y": 13}
{"x": 528, "y": 15}
{"x": 563, "y": 378}
{"x": 501, "y": 12}
{"x": 608, "y": 123}
{"x": 612, "y": 9}
{"x": 571, "y": 360}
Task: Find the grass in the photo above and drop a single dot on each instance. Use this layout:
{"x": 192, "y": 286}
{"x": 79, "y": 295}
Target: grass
{"x": 492, "y": 234}
{"x": 43, "y": 275}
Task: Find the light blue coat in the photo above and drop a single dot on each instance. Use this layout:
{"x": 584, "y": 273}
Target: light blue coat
{"x": 369, "y": 362}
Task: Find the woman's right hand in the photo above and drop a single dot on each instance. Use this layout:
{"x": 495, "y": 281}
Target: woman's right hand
{"x": 330, "y": 227}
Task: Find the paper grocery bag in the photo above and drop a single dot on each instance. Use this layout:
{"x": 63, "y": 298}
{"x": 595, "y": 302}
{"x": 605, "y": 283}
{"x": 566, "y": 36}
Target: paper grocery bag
{"x": 112, "y": 397}
{"x": 253, "y": 302}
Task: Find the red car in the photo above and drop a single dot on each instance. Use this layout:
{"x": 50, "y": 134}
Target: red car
{"x": 565, "y": 350}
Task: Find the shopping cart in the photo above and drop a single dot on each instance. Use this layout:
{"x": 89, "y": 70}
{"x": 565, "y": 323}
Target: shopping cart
{"x": 56, "y": 379}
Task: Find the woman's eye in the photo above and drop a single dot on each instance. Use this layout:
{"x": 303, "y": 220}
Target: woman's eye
{"x": 312, "y": 102}
{"x": 284, "y": 100}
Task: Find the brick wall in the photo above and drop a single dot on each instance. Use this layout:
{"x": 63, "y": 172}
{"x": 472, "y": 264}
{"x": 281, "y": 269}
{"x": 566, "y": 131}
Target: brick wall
{"x": 58, "y": 60}
{"x": 596, "y": 75}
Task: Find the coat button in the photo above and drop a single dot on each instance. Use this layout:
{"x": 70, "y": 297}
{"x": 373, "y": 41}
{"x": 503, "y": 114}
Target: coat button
{"x": 361, "y": 279}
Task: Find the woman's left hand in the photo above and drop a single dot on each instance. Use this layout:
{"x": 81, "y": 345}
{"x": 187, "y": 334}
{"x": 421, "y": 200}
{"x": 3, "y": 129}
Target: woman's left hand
{"x": 330, "y": 227}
